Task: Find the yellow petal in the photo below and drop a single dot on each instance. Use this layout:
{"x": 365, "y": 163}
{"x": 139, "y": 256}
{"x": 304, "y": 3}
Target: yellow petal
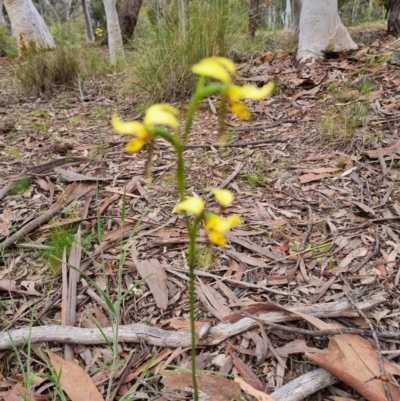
{"x": 234, "y": 220}
{"x": 191, "y": 205}
{"x": 161, "y": 114}
{"x": 129, "y": 128}
{"x": 240, "y": 110}
{"x": 216, "y": 223}
{"x": 252, "y": 92}
{"x": 223, "y": 196}
{"x": 135, "y": 145}
{"x": 217, "y": 238}
{"x": 215, "y": 67}
{"x": 226, "y": 62}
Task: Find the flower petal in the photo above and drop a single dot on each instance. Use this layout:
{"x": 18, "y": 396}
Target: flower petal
{"x": 161, "y": 114}
{"x": 234, "y": 220}
{"x": 223, "y": 196}
{"x": 217, "y": 238}
{"x": 216, "y": 223}
{"x": 252, "y": 92}
{"x": 240, "y": 110}
{"x": 135, "y": 145}
{"x": 192, "y": 205}
{"x": 215, "y": 67}
{"x": 129, "y": 128}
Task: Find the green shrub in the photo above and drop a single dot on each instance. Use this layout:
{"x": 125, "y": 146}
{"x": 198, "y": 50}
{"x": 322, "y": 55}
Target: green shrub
{"x": 42, "y": 71}
{"x": 8, "y": 46}
{"x": 69, "y": 33}
{"x": 161, "y": 70}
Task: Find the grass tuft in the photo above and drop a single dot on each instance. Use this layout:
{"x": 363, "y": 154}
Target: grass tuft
{"x": 21, "y": 186}
{"x": 8, "y": 46}
{"x": 63, "y": 67}
{"x": 161, "y": 72}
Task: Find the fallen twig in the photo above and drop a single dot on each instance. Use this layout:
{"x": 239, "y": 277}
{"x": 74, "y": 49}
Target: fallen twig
{"x": 388, "y": 335}
{"x": 140, "y": 332}
{"x": 305, "y": 385}
{"x": 231, "y": 177}
{"x": 257, "y": 127}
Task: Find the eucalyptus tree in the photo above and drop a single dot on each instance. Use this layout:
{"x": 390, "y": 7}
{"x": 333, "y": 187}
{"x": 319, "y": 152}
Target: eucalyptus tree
{"x": 321, "y": 30}
{"x": 28, "y": 26}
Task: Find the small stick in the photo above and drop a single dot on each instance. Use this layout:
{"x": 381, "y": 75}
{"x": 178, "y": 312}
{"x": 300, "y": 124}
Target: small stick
{"x": 332, "y": 332}
{"x": 238, "y": 167}
{"x": 257, "y": 127}
{"x": 308, "y": 231}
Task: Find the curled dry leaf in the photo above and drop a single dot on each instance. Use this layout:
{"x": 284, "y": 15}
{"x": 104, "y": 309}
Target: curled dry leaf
{"x": 353, "y": 360}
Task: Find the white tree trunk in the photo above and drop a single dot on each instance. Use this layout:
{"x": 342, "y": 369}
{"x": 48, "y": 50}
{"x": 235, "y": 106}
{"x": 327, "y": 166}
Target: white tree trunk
{"x": 296, "y": 8}
{"x": 2, "y": 19}
{"x": 68, "y": 9}
{"x": 182, "y": 17}
{"x": 28, "y": 26}
{"x": 321, "y": 30}
{"x": 354, "y": 11}
{"x": 114, "y": 32}
{"x": 88, "y": 21}
{"x": 288, "y": 14}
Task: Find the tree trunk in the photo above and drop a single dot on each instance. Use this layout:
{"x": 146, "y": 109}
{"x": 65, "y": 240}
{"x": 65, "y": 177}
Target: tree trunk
{"x": 354, "y": 11}
{"x": 321, "y": 31}
{"x": 254, "y": 13}
{"x": 68, "y": 10}
{"x": 88, "y": 21}
{"x": 394, "y": 19}
{"x": 127, "y": 16}
{"x": 288, "y": 14}
{"x": 296, "y": 8}
{"x": 182, "y": 17}
{"x": 114, "y": 32}
{"x": 2, "y": 19}
{"x": 27, "y": 25}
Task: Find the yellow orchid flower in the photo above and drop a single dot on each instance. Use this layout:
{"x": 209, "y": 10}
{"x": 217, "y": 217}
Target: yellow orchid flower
{"x": 223, "y": 196}
{"x": 217, "y": 226}
{"x": 222, "y": 68}
{"x": 191, "y": 205}
{"x": 158, "y": 114}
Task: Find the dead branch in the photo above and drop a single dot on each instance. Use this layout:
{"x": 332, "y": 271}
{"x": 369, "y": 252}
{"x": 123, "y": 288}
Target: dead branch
{"x": 387, "y": 335}
{"x": 257, "y": 127}
{"x": 305, "y": 385}
{"x": 140, "y": 332}
{"x": 238, "y": 167}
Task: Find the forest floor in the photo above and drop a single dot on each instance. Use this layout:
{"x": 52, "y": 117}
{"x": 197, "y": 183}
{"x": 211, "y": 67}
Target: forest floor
{"x": 315, "y": 174}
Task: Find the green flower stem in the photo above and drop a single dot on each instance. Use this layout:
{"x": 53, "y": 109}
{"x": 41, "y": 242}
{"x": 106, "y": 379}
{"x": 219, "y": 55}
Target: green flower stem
{"x": 200, "y": 93}
{"x": 194, "y": 103}
{"x": 192, "y": 248}
{"x": 147, "y": 169}
{"x": 175, "y": 141}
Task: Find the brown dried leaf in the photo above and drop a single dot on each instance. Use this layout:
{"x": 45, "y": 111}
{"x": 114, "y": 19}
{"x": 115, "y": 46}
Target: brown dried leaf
{"x": 364, "y": 207}
{"x": 247, "y": 373}
{"x": 74, "y": 380}
{"x": 353, "y": 360}
{"x": 213, "y": 300}
{"x": 217, "y": 388}
{"x": 304, "y": 179}
{"x": 155, "y": 276}
{"x": 258, "y": 395}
